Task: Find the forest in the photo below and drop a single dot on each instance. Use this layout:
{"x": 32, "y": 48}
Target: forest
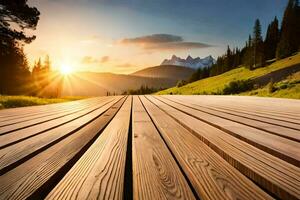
{"x": 281, "y": 41}
{"x": 15, "y": 75}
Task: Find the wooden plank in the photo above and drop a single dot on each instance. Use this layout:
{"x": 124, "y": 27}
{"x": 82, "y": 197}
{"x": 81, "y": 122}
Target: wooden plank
{"x": 281, "y": 121}
{"x": 275, "y": 129}
{"x": 256, "y": 113}
{"x": 14, "y": 154}
{"x": 35, "y": 177}
{"x": 211, "y": 176}
{"x": 58, "y": 112}
{"x": 155, "y": 172}
{"x": 288, "y": 108}
{"x": 22, "y": 134}
{"x": 99, "y": 174}
{"x": 41, "y": 120}
{"x": 271, "y": 173}
{"x": 282, "y": 148}
{"x": 32, "y": 110}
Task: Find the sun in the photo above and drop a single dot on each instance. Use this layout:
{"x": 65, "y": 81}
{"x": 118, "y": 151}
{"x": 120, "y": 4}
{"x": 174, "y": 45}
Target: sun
{"x": 65, "y": 69}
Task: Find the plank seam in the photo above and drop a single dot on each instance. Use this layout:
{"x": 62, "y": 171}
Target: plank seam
{"x": 277, "y": 154}
{"x": 46, "y": 188}
{"x": 177, "y": 162}
{"x": 24, "y": 159}
{"x": 128, "y": 175}
{"x": 38, "y": 133}
{"x": 47, "y": 115}
{"x": 271, "y": 190}
{"x": 4, "y": 133}
{"x": 252, "y": 126}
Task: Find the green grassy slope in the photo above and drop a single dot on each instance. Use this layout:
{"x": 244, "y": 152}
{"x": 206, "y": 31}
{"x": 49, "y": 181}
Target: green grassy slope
{"x": 217, "y": 83}
{"x": 21, "y": 101}
{"x": 288, "y": 88}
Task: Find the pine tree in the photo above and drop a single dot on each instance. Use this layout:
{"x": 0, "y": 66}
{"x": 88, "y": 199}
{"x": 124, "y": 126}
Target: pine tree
{"x": 297, "y": 25}
{"x": 247, "y": 53}
{"x": 228, "y": 59}
{"x": 286, "y": 45}
{"x": 15, "y": 18}
{"x": 272, "y": 39}
{"x": 258, "y": 52}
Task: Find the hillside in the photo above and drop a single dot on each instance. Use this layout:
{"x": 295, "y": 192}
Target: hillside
{"x": 166, "y": 71}
{"x": 287, "y": 88}
{"x": 217, "y": 83}
{"x": 97, "y": 84}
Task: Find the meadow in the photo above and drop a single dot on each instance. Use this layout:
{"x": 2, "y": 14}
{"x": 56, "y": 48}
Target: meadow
{"x": 22, "y": 101}
{"x": 216, "y": 84}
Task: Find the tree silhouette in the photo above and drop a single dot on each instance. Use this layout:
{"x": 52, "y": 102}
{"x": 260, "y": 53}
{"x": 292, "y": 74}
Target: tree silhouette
{"x": 289, "y": 39}
{"x": 272, "y": 39}
{"x": 257, "y": 42}
{"x": 14, "y": 71}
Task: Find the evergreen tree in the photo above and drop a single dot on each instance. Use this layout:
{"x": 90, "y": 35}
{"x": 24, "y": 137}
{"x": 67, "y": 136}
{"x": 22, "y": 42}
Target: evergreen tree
{"x": 14, "y": 70}
{"x": 258, "y": 52}
{"x": 272, "y": 39}
{"x": 228, "y": 59}
{"x": 247, "y": 55}
{"x": 289, "y": 37}
{"x": 297, "y": 26}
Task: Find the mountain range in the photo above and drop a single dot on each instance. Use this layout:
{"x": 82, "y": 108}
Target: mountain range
{"x": 162, "y": 76}
{"x": 98, "y": 84}
{"x": 194, "y": 63}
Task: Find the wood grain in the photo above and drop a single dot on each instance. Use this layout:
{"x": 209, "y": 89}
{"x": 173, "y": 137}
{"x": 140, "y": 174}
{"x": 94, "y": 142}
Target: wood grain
{"x": 275, "y": 128}
{"x": 16, "y": 153}
{"x": 271, "y": 173}
{"x": 34, "y": 176}
{"x": 20, "y": 135}
{"x": 205, "y": 168}
{"x": 99, "y": 174}
{"x": 283, "y": 148}
{"x": 155, "y": 172}
{"x": 55, "y": 113}
{"x": 40, "y": 109}
{"x": 152, "y": 147}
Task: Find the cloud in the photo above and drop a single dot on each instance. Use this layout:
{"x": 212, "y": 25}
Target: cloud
{"x": 125, "y": 65}
{"x": 88, "y": 60}
{"x": 104, "y": 59}
{"x": 92, "y": 60}
{"x": 163, "y": 42}
{"x": 178, "y": 46}
{"x": 152, "y": 39}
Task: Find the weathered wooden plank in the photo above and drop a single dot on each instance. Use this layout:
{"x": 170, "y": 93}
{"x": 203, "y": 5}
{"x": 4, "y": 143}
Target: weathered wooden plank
{"x": 156, "y": 174}
{"x": 99, "y": 174}
{"x": 211, "y": 176}
{"x": 35, "y": 177}
{"x": 55, "y": 112}
{"x": 22, "y": 134}
{"x": 14, "y": 154}
{"x": 275, "y": 129}
{"x": 271, "y": 173}
{"x": 248, "y": 113}
{"x": 283, "y": 148}
{"x": 287, "y": 108}
{"x": 25, "y": 124}
{"x": 32, "y": 110}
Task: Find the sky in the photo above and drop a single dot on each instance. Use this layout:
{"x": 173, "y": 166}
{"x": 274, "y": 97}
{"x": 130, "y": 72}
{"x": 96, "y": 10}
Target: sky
{"x": 123, "y": 36}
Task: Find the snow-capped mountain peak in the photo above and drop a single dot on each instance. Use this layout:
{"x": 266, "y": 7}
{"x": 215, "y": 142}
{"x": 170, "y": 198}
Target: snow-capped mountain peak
{"x": 190, "y": 62}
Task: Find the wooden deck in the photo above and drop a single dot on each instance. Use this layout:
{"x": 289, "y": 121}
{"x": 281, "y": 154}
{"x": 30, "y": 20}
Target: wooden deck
{"x": 152, "y": 147}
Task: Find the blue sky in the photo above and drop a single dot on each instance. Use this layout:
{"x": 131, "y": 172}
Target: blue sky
{"x": 103, "y": 24}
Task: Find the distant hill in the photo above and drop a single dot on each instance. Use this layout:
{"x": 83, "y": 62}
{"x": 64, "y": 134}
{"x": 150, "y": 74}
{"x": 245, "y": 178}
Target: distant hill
{"x": 98, "y": 84}
{"x": 276, "y": 71}
{"x": 166, "y": 71}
